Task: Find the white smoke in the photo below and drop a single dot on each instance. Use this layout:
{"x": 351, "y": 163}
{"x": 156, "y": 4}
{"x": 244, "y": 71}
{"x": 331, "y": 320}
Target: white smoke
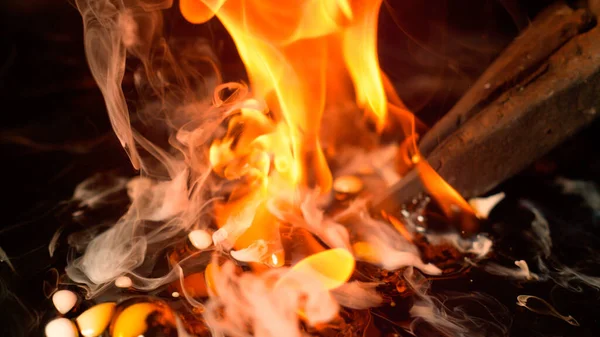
{"x": 470, "y": 314}
{"x": 180, "y": 111}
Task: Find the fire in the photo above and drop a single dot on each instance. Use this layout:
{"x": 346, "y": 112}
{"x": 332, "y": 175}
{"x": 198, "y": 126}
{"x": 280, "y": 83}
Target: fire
{"x": 301, "y": 58}
{"x": 331, "y": 267}
{"x": 269, "y": 179}
{"x": 452, "y": 203}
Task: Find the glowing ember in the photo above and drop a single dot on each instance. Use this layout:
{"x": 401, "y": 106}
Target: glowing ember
{"x": 95, "y": 320}
{"x": 133, "y": 319}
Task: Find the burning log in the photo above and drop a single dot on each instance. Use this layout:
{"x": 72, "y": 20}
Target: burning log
{"x": 548, "y": 32}
{"x": 525, "y": 122}
{"x": 488, "y": 137}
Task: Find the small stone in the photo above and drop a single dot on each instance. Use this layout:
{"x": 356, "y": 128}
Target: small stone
{"x": 200, "y": 239}
{"x": 175, "y": 294}
{"x": 347, "y": 184}
{"x": 483, "y": 206}
{"x": 64, "y": 300}
{"x": 220, "y": 235}
{"x": 61, "y": 327}
{"x": 123, "y": 282}
{"x": 94, "y": 321}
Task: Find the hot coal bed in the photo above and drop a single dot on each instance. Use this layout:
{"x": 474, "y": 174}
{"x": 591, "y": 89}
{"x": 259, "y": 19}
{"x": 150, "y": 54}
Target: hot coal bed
{"x": 56, "y": 134}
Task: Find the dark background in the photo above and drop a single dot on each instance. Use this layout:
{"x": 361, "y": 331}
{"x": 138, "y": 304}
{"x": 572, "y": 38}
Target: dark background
{"x": 55, "y": 131}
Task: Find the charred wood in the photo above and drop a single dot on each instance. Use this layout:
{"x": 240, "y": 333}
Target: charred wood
{"x": 555, "y": 100}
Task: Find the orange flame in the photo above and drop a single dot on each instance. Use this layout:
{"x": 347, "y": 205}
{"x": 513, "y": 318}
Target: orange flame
{"x": 452, "y": 203}
{"x": 331, "y": 267}
{"x": 301, "y": 57}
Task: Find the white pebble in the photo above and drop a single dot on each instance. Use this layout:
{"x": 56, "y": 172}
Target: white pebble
{"x": 175, "y": 294}
{"x": 123, "y": 282}
{"x": 61, "y": 327}
{"x": 347, "y": 184}
{"x": 220, "y": 236}
{"x": 483, "y": 206}
{"x": 64, "y": 300}
{"x": 200, "y": 239}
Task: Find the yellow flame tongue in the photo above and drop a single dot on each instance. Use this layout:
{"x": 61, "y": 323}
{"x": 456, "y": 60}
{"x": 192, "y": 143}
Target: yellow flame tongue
{"x": 452, "y": 203}
{"x": 300, "y": 56}
{"x": 331, "y": 267}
